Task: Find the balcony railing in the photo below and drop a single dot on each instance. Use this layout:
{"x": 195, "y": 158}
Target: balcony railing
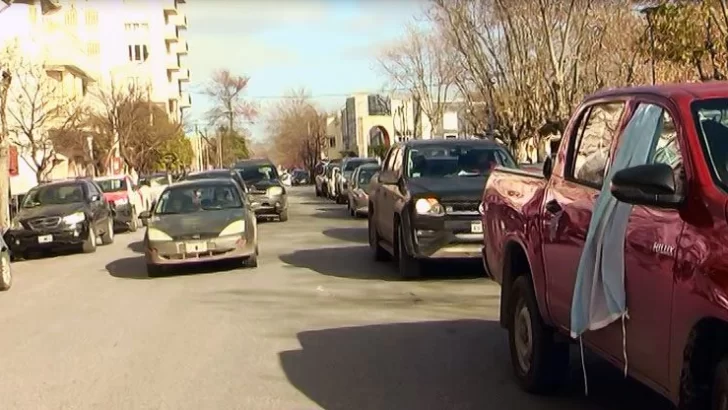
{"x": 185, "y": 101}
{"x": 170, "y": 33}
{"x": 183, "y": 74}
{"x": 173, "y": 62}
{"x": 181, "y": 47}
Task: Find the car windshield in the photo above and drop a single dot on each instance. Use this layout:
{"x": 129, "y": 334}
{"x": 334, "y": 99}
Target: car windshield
{"x": 354, "y": 164}
{"x": 112, "y": 185}
{"x": 450, "y": 160}
{"x": 256, "y": 173}
{"x": 208, "y": 175}
{"x": 365, "y": 175}
{"x": 53, "y": 195}
{"x": 190, "y": 199}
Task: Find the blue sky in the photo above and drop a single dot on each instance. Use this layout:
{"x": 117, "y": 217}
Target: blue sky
{"x": 328, "y": 47}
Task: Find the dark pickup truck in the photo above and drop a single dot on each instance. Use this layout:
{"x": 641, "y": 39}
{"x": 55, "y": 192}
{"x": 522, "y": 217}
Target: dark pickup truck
{"x": 620, "y": 244}
{"x": 426, "y": 200}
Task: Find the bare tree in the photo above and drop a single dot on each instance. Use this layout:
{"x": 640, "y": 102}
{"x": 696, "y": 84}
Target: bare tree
{"x": 230, "y": 110}
{"x": 38, "y": 107}
{"x": 422, "y": 65}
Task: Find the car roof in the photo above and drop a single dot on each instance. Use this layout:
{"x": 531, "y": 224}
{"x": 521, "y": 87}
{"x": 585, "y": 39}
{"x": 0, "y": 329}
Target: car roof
{"x": 676, "y": 91}
{"x": 203, "y": 182}
{"x": 249, "y": 162}
{"x": 212, "y": 172}
{"x": 452, "y": 142}
{"x": 369, "y": 165}
{"x": 74, "y": 181}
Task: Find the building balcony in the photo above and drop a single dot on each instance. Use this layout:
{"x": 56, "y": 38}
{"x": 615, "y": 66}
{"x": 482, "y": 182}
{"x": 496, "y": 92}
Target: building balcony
{"x": 172, "y": 63}
{"x": 66, "y": 52}
{"x": 178, "y": 20}
{"x": 174, "y": 90}
{"x": 183, "y": 75}
{"x": 181, "y": 47}
{"x": 185, "y": 101}
{"x": 171, "y": 34}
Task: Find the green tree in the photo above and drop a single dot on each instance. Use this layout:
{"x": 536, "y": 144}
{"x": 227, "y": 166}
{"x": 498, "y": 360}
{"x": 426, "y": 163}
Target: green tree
{"x": 177, "y": 147}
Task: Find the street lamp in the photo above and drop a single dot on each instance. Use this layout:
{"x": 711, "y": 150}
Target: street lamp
{"x": 647, "y": 10}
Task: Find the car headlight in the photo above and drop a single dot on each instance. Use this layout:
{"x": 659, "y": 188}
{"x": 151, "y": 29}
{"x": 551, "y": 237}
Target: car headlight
{"x": 121, "y": 201}
{"x": 274, "y": 190}
{"x": 429, "y": 206}
{"x": 155, "y": 235}
{"x": 481, "y": 208}
{"x": 73, "y": 219}
{"x": 234, "y": 228}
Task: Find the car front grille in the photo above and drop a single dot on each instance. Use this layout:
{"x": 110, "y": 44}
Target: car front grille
{"x": 200, "y": 236}
{"x": 42, "y": 223}
{"x": 461, "y": 207}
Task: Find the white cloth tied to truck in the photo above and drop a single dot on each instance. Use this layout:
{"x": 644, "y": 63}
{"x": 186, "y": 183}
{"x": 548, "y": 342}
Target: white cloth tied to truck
{"x": 599, "y": 297}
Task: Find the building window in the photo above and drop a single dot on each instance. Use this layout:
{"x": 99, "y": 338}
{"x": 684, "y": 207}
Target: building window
{"x": 379, "y": 105}
{"x": 93, "y": 49}
{"x": 136, "y": 27}
{"x": 332, "y": 142}
{"x": 71, "y": 17}
{"x": 138, "y": 52}
{"x": 92, "y": 18}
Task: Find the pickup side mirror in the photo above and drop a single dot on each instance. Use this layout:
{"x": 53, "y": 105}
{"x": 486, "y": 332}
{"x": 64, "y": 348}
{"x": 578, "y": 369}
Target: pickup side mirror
{"x": 652, "y": 184}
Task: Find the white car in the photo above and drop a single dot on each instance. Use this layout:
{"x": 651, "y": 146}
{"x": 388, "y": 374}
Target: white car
{"x": 151, "y": 187}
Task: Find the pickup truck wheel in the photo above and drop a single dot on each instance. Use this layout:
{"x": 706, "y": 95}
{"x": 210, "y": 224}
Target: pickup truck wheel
{"x": 539, "y": 362}
{"x": 108, "y": 237}
{"x": 380, "y": 254}
{"x": 409, "y": 267}
{"x": 89, "y": 245}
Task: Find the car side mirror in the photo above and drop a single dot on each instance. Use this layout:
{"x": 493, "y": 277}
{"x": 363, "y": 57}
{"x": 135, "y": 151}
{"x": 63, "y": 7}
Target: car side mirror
{"x": 145, "y": 215}
{"x": 653, "y": 185}
{"x": 94, "y": 198}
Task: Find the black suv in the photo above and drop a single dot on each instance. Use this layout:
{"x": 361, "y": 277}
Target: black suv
{"x": 267, "y": 194}
{"x": 70, "y": 213}
{"x": 426, "y": 200}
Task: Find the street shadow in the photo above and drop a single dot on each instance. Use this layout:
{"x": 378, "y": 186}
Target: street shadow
{"x": 338, "y": 212}
{"x": 356, "y": 262}
{"x": 134, "y": 267}
{"x": 137, "y": 246}
{"x": 461, "y": 364}
{"x": 49, "y": 253}
{"x": 357, "y": 235}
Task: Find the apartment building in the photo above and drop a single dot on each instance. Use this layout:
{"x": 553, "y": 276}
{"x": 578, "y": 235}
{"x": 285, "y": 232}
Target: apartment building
{"x": 334, "y": 137}
{"x": 369, "y": 123}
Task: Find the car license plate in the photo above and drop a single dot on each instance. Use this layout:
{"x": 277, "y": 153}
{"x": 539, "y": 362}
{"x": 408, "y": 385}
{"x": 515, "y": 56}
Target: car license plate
{"x": 476, "y": 227}
{"x": 45, "y": 239}
{"x": 196, "y": 247}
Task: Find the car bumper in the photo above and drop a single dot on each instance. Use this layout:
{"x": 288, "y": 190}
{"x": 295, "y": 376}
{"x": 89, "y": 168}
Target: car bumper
{"x": 439, "y": 237}
{"x": 20, "y": 241}
{"x": 360, "y": 203}
{"x": 123, "y": 214}
{"x": 269, "y": 205}
{"x": 193, "y": 251}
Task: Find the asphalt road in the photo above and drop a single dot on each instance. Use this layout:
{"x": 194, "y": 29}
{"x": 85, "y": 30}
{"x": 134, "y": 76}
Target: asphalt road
{"x": 317, "y": 325}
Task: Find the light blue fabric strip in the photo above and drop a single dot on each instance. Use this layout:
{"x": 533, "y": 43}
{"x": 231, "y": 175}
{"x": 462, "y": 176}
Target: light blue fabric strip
{"x": 599, "y": 294}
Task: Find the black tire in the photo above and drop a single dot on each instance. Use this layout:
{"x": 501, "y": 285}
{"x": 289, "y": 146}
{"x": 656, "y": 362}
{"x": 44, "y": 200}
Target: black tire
{"x": 380, "y": 254}
{"x": 89, "y": 245}
{"x": 540, "y": 363}
{"x": 719, "y": 394}
{"x": 154, "y": 271}
{"x": 134, "y": 224}
{"x": 318, "y": 191}
{"x": 351, "y": 209}
{"x": 6, "y": 272}
{"x": 283, "y": 216}
{"x": 407, "y": 266}
{"x": 252, "y": 260}
{"x": 108, "y": 237}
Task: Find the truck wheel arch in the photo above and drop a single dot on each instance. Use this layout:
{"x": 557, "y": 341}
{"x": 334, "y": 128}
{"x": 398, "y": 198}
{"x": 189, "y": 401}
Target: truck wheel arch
{"x": 705, "y": 346}
{"x": 515, "y": 264}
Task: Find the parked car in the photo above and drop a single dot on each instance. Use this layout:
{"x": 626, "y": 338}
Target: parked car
{"x": 124, "y": 198}
{"x": 319, "y": 176}
{"x": 267, "y": 194}
{"x": 358, "y": 192}
{"x": 69, "y": 213}
{"x": 324, "y": 180}
{"x": 348, "y": 165}
{"x": 151, "y": 186}
{"x": 200, "y": 221}
{"x": 6, "y": 269}
{"x": 331, "y": 181}
{"x": 425, "y": 202}
{"x": 286, "y": 178}
{"x": 630, "y": 217}
{"x": 300, "y": 177}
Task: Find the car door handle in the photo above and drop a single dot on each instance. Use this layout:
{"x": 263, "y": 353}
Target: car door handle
{"x": 553, "y": 206}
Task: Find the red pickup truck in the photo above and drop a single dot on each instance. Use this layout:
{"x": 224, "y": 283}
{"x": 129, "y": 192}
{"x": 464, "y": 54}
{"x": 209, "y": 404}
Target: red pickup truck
{"x": 671, "y": 244}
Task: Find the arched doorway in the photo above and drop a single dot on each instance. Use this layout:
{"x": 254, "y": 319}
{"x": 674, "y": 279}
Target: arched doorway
{"x": 378, "y": 136}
